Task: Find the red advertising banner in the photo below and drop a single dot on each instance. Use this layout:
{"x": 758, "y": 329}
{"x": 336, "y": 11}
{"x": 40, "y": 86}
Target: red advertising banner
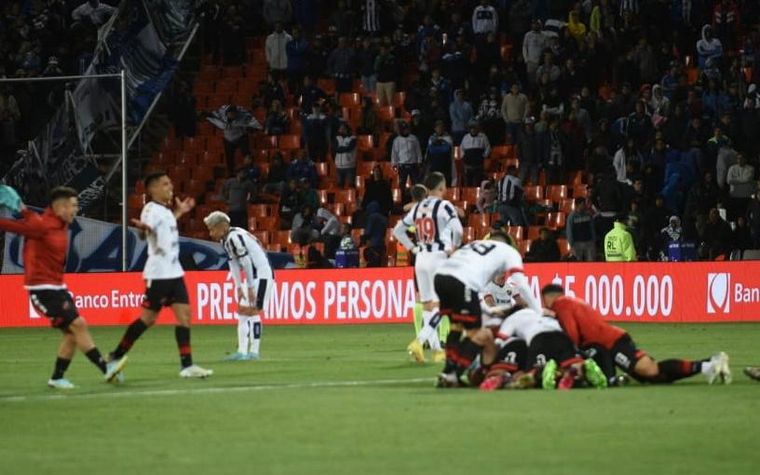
{"x": 322, "y": 297}
{"x": 633, "y": 292}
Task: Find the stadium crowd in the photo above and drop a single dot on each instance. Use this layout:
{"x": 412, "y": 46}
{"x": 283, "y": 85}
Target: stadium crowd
{"x": 41, "y": 38}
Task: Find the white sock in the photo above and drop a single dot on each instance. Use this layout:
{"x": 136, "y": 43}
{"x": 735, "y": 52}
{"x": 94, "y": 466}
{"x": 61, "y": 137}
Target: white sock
{"x": 244, "y": 330}
{"x": 255, "y": 333}
{"x": 706, "y": 367}
{"x": 429, "y": 332}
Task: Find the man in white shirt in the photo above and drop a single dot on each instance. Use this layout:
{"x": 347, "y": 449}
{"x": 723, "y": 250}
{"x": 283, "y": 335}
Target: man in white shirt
{"x": 245, "y": 253}
{"x": 475, "y": 149}
{"x": 534, "y": 44}
{"x": 406, "y": 156}
{"x": 275, "y": 50}
{"x": 163, "y": 274}
{"x": 742, "y": 184}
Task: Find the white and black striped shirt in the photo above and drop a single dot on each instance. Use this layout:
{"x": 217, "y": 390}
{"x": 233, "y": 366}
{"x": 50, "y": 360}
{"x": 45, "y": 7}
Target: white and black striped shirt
{"x": 246, "y": 254}
{"x": 371, "y": 16}
{"x": 508, "y": 186}
{"x": 436, "y": 224}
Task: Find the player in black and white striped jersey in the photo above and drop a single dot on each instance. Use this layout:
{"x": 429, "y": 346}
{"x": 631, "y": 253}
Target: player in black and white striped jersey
{"x": 439, "y": 233}
{"x": 245, "y": 254}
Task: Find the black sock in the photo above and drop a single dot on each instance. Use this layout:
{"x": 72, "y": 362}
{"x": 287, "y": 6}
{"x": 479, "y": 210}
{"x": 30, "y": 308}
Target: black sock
{"x": 673, "y": 370}
{"x": 182, "y": 334}
{"x": 97, "y": 359}
{"x": 468, "y": 351}
{"x": 452, "y": 343}
{"x": 133, "y": 332}
{"x": 61, "y": 365}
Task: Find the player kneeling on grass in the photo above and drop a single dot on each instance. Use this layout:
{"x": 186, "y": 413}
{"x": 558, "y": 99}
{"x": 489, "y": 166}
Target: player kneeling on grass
{"x": 45, "y": 247}
{"x": 458, "y": 281}
{"x": 244, "y": 252}
{"x": 163, "y": 274}
{"x": 612, "y": 346}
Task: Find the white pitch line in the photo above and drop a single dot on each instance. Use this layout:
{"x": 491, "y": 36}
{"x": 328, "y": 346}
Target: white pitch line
{"x": 214, "y": 390}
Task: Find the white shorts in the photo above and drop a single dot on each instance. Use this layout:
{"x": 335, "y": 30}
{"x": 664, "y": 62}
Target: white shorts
{"x": 425, "y": 265}
{"x": 263, "y": 292}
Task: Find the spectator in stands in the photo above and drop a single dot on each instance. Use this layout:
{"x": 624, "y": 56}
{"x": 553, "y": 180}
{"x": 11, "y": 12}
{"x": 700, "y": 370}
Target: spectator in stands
{"x": 386, "y": 72}
{"x": 485, "y": 19}
{"x": 297, "y": 51}
{"x": 543, "y": 249}
{"x": 513, "y": 109}
{"x": 310, "y": 94}
{"x": 511, "y": 199}
{"x": 378, "y": 189}
{"x": 290, "y": 202}
{"x": 422, "y": 127}
{"x": 406, "y": 156}
{"x": 580, "y": 232}
{"x": 742, "y": 185}
{"x": 672, "y": 233}
{"x": 716, "y": 237}
{"x": 303, "y": 168}
{"x": 555, "y": 153}
{"x": 93, "y": 12}
{"x": 10, "y": 115}
{"x": 277, "y": 119}
{"x": 475, "y": 150}
{"x": 316, "y": 134}
{"x": 461, "y": 114}
{"x": 440, "y": 152}
{"x": 277, "y": 177}
{"x": 375, "y": 254}
{"x": 708, "y": 47}
{"x": 625, "y": 155}
{"x": 369, "y": 122}
{"x": 753, "y": 216}
{"x": 365, "y": 58}
{"x": 341, "y": 65}
{"x": 489, "y": 116}
{"x": 235, "y": 122}
{"x": 702, "y": 197}
{"x": 181, "y": 112}
{"x": 741, "y": 239}
{"x": 607, "y": 197}
{"x": 237, "y": 192}
{"x": 275, "y": 49}
{"x": 271, "y": 90}
{"x": 534, "y": 43}
{"x": 303, "y": 230}
{"x": 487, "y": 197}
{"x": 277, "y": 11}
{"x": 618, "y": 243}
{"x": 344, "y": 148}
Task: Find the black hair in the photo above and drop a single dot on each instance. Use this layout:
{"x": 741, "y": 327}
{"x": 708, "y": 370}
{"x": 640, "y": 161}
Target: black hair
{"x": 552, "y": 289}
{"x": 579, "y": 201}
{"x": 433, "y": 180}
{"x": 62, "y": 192}
{"x": 419, "y": 192}
{"x": 153, "y": 177}
{"x": 499, "y": 236}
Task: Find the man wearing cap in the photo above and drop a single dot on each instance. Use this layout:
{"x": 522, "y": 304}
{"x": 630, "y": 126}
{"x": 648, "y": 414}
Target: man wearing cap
{"x": 406, "y": 155}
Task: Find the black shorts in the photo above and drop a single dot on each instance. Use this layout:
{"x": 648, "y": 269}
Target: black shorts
{"x": 459, "y": 302}
{"x": 625, "y": 355}
{"x": 515, "y": 352}
{"x": 56, "y": 305}
{"x": 165, "y": 292}
{"x": 553, "y": 345}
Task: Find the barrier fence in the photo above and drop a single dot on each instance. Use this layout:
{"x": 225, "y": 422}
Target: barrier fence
{"x": 635, "y": 292}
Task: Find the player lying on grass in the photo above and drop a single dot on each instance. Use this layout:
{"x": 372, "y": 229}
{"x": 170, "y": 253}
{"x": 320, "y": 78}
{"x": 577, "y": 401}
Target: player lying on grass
{"x": 245, "y": 253}
{"x": 45, "y": 246}
{"x": 612, "y": 346}
{"x": 163, "y": 274}
{"x": 459, "y": 280}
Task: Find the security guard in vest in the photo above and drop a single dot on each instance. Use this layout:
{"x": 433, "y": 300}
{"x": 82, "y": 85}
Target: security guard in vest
{"x": 618, "y": 243}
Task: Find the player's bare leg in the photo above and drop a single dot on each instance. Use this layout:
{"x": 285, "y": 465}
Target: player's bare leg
{"x": 182, "y": 335}
{"x": 76, "y": 335}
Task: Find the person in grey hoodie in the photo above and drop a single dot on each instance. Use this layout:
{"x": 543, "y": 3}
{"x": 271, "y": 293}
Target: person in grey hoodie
{"x": 708, "y": 47}
{"x": 461, "y": 114}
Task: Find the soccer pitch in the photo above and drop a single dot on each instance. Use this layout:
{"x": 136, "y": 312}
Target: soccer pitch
{"x": 347, "y": 400}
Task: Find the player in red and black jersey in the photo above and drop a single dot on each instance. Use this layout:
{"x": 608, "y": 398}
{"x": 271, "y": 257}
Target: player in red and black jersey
{"x": 612, "y": 346}
{"x": 45, "y": 247}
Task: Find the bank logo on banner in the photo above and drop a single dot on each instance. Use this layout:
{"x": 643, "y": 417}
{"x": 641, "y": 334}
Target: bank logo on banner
{"x": 718, "y": 292}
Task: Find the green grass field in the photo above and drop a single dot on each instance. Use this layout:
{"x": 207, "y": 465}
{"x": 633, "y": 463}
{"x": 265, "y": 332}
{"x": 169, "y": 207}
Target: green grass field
{"x": 346, "y": 400}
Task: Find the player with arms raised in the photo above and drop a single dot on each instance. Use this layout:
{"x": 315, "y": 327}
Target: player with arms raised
{"x": 46, "y": 243}
{"x": 245, "y": 253}
{"x": 163, "y": 274}
{"x": 439, "y": 233}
